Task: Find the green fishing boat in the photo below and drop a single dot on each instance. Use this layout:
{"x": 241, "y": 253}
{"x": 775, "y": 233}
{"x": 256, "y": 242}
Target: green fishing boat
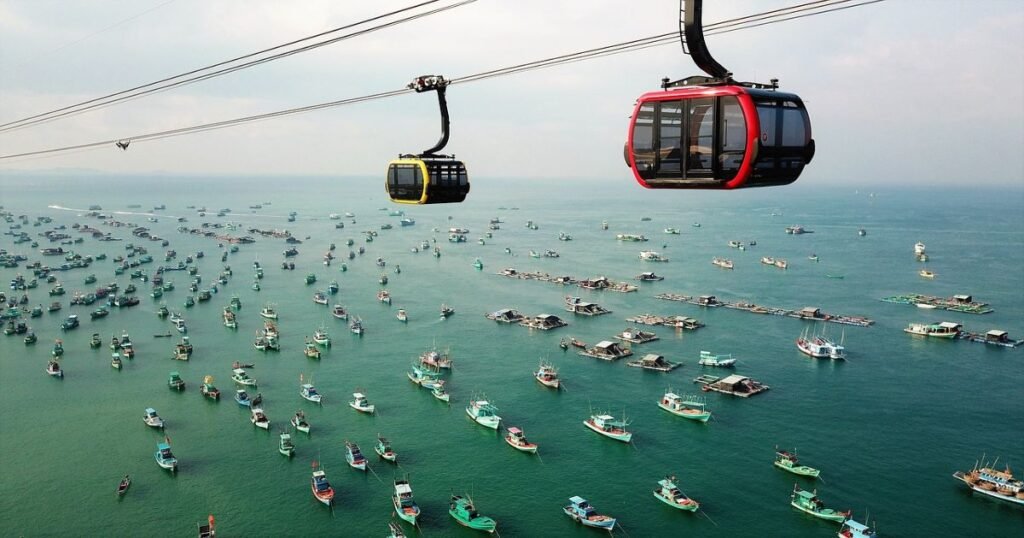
{"x": 310, "y": 278}
{"x": 462, "y": 509}
{"x": 669, "y": 494}
{"x": 788, "y": 461}
{"x": 808, "y": 501}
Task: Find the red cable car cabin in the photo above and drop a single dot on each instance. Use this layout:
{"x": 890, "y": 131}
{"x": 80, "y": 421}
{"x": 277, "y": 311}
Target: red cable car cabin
{"x": 718, "y": 137}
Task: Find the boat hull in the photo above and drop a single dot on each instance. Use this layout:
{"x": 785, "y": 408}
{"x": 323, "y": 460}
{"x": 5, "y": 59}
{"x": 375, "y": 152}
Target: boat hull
{"x": 622, "y": 437}
{"x": 801, "y": 470}
{"x": 491, "y": 422}
{"x": 692, "y": 506}
{"x": 699, "y": 416}
{"x": 993, "y": 494}
{"x": 827, "y": 514}
{"x": 606, "y": 524}
{"x": 529, "y": 447}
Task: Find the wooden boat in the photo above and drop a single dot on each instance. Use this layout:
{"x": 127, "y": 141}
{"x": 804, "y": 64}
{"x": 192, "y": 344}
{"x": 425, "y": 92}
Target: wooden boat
{"x": 58, "y": 348}
{"x": 608, "y": 426}
{"x": 722, "y": 262}
{"x": 321, "y": 337}
{"x": 175, "y": 382}
{"x": 383, "y": 449}
{"x": 123, "y": 486}
{"x": 356, "y": 325}
{"x": 339, "y": 312}
{"x": 322, "y": 489}
{"x": 517, "y": 439}
{"x": 808, "y": 501}
{"x": 239, "y": 376}
{"x": 462, "y": 510}
{"x": 439, "y": 393}
{"x": 986, "y": 480}
{"x": 669, "y": 494}
{"x": 581, "y": 512}
{"x": 300, "y": 423}
{"x": 434, "y": 359}
{"x": 384, "y": 297}
{"x": 311, "y": 351}
{"x": 259, "y": 418}
{"x": 691, "y": 407}
{"x": 152, "y": 419}
{"x": 547, "y": 375}
{"x": 115, "y": 361}
{"x": 483, "y": 413}
{"x": 926, "y": 274}
{"x": 242, "y": 398}
{"x": 787, "y": 461}
{"x": 208, "y": 390}
{"x": 721, "y": 361}
{"x": 361, "y": 404}
{"x": 354, "y": 457}
{"x": 164, "y": 457}
{"x": 285, "y": 446}
{"x": 402, "y": 499}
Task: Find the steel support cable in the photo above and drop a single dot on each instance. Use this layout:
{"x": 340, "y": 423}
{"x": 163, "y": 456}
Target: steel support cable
{"x": 618, "y": 48}
{"x": 173, "y": 82}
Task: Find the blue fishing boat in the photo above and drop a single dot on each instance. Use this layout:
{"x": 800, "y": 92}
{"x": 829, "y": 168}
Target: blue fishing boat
{"x": 242, "y": 398}
{"x": 581, "y": 512}
{"x": 164, "y": 457}
{"x": 405, "y": 506}
{"x": 354, "y": 457}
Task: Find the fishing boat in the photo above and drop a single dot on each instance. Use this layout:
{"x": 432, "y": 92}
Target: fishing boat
{"x": 383, "y": 280}
{"x": 402, "y": 499}
{"x": 95, "y": 342}
{"x": 437, "y": 360}
{"x": 691, "y": 407}
{"x": 30, "y": 338}
{"x": 926, "y": 274}
{"x": 300, "y": 422}
{"x": 356, "y": 325}
{"x": 462, "y": 510}
{"x": 333, "y": 287}
{"x": 152, "y": 419}
{"x": 242, "y": 398}
{"x": 722, "y": 262}
{"x": 547, "y": 375}
{"x": 268, "y": 312}
{"x": 484, "y": 413}
{"x": 236, "y": 303}
{"x": 609, "y": 426}
{"x": 229, "y": 318}
{"x": 722, "y": 361}
{"x": 652, "y": 256}
{"x": 581, "y": 512}
{"x": 813, "y": 257}
{"x": 175, "y": 382}
{"x": 517, "y": 439}
{"x": 668, "y": 493}
{"x": 985, "y": 479}
{"x": 820, "y": 347}
{"x": 649, "y": 276}
{"x": 808, "y": 501}
{"x": 781, "y": 264}
{"x": 310, "y": 278}
{"x": 58, "y": 348}
{"x": 853, "y": 529}
{"x": 322, "y": 489}
{"x": 164, "y": 457}
{"x": 122, "y": 487}
{"x": 311, "y": 351}
{"x": 308, "y": 392}
{"x": 402, "y": 316}
{"x": 70, "y": 323}
{"x": 180, "y": 326}
{"x": 446, "y": 311}
{"x": 285, "y": 446}
{"x": 115, "y": 361}
{"x": 242, "y": 378}
{"x": 926, "y": 306}
{"x": 946, "y": 329}
{"x": 384, "y": 297}
{"x": 320, "y": 298}
{"x": 354, "y": 457}
{"x": 208, "y": 390}
{"x": 787, "y": 461}
{"x": 259, "y": 418}
{"x": 438, "y": 392}
{"x": 383, "y": 449}
{"x": 321, "y": 337}
{"x": 190, "y": 301}
{"x": 361, "y": 404}
{"x": 339, "y": 312}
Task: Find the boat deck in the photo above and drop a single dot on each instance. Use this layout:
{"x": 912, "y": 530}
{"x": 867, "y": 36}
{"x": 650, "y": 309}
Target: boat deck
{"x": 808, "y": 313}
{"x": 954, "y": 304}
{"x": 690, "y": 324}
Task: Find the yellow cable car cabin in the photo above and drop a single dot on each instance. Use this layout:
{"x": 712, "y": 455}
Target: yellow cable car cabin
{"x": 427, "y": 179}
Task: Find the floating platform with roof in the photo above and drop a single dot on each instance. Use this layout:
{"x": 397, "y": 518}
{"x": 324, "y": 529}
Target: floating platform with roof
{"x": 735, "y": 385}
{"x": 812, "y": 313}
{"x": 956, "y": 303}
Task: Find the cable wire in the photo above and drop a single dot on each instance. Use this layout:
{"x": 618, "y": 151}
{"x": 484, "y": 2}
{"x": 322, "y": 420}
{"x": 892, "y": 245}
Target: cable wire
{"x": 751, "y": 21}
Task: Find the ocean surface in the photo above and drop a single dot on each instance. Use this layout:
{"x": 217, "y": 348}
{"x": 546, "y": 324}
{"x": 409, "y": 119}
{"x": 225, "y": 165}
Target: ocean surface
{"x": 888, "y": 427}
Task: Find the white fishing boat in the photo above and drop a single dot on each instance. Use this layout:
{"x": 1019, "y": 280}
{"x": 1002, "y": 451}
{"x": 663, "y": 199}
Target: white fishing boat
{"x": 437, "y": 360}
{"x": 321, "y": 337}
{"x": 721, "y": 361}
{"x": 269, "y": 312}
{"x": 300, "y": 422}
{"x": 722, "y": 262}
{"x": 242, "y": 378}
{"x": 361, "y": 404}
{"x": 402, "y": 316}
{"x": 309, "y": 392}
{"x": 152, "y": 419}
{"x": 384, "y": 297}
{"x": 259, "y": 419}
{"x": 339, "y": 312}
{"x": 484, "y": 413}
{"x": 609, "y": 426}
{"x": 547, "y": 375}
{"x": 652, "y": 256}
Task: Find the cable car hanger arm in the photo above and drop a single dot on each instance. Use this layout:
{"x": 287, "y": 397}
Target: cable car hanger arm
{"x": 439, "y": 84}
{"x": 693, "y": 29}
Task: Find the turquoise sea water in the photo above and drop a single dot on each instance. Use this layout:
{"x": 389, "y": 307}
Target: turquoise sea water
{"x": 887, "y": 428}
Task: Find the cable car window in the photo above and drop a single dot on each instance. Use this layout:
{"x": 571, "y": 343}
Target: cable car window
{"x": 794, "y": 131}
{"x": 701, "y": 127}
{"x": 733, "y": 141}
{"x": 670, "y": 138}
{"x": 463, "y": 177}
{"x": 407, "y": 176}
{"x": 766, "y": 114}
{"x": 643, "y": 140}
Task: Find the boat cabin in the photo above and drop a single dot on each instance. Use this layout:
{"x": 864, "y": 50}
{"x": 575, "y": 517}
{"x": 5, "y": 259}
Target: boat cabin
{"x": 506, "y": 315}
{"x": 544, "y": 322}
{"x": 707, "y": 300}
{"x": 597, "y": 283}
{"x": 963, "y": 299}
{"x": 810, "y": 312}
{"x": 997, "y": 336}
{"x": 655, "y": 362}
{"x": 681, "y": 322}
{"x": 578, "y": 306}
{"x": 636, "y": 336}
{"x": 607, "y": 350}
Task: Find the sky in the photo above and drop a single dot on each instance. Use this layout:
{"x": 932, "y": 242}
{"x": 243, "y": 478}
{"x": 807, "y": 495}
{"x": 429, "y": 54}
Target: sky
{"x": 909, "y": 92}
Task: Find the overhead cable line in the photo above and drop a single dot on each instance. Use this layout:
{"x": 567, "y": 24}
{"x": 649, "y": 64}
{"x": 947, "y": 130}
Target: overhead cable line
{"x": 608, "y": 50}
{"x": 204, "y": 73}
